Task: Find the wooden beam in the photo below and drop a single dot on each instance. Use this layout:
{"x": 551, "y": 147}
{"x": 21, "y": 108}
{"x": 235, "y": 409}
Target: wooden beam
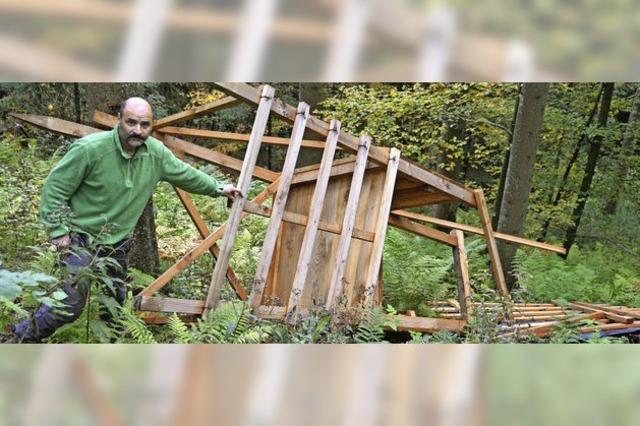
{"x": 235, "y": 137}
{"x": 608, "y": 308}
{"x": 302, "y": 220}
{"x": 378, "y": 154}
{"x": 373, "y": 268}
{"x": 315, "y": 210}
{"x": 277, "y": 212}
{"x": 259, "y": 125}
{"x": 204, "y": 232}
{"x": 462, "y": 272}
{"x": 423, "y": 231}
{"x": 201, "y": 248}
{"x": 195, "y": 112}
{"x": 169, "y": 304}
{"x": 544, "y": 329}
{"x": 57, "y": 125}
{"x": 195, "y": 151}
{"x": 496, "y": 264}
{"x": 625, "y": 319}
{"x": 478, "y": 231}
{"x": 336, "y": 286}
{"x": 428, "y": 325}
{"x": 418, "y": 197}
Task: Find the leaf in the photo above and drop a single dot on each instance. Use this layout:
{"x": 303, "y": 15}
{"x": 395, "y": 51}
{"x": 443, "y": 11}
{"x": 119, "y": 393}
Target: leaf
{"x": 59, "y": 295}
{"x": 9, "y": 290}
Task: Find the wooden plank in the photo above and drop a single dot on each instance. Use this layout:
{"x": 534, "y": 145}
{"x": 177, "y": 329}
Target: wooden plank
{"x": 380, "y": 155}
{"x": 193, "y": 150}
{"x": 496, "y": 264}
{"x": 625, "y": 319}
{"x": 478, "y": 231}
{"x": 195, "y": 112}
{"x": 543, "y": 330}
{"x": 339, "y": 168}
{"x": 169, "y": 304}
{"x": 428, "y": 325}
{"x": 201, "y": 248}
{"x": 244, "y": 181}
{"x": 610, "y": 327}
{"x": 418, "y": 197}
{"x": 235, "y": 137}
{"x": 608, "y": 308}
{"x": 315, "y": 210}
{"x": 204, "y": 232}
{"x": 462, "y": 272}
{"x": 57, "y": 125}
{"x": 423, "y": 231}
{"x": 375, "y": 261}
{"x": 302, "y": 220}
{"x": 277, "y": 211}
{"x": 336, "y": 286}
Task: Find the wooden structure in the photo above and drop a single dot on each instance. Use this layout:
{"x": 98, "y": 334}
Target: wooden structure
{"x": 540, "y": 319}
{"x": 327, "y": 223}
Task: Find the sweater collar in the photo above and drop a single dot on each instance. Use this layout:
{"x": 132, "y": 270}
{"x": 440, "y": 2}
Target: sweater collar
{"x": 139, "y": 152}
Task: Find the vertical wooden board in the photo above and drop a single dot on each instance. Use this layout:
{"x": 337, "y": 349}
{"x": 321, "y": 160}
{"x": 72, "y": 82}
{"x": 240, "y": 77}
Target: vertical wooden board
{"x": 462, "y": 272}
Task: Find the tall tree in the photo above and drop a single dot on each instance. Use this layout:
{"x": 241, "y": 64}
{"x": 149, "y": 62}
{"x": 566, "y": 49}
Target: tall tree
{"x": 144, "y": 250}
{"x": 449, "y": 164}
{"x": 629, "y": 140}
{"x": 590, "y": 168}
{"x": 518, "y": 182}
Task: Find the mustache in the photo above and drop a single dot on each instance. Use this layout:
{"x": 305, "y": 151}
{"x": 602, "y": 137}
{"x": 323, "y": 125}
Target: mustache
{"x": 136, "y": 137}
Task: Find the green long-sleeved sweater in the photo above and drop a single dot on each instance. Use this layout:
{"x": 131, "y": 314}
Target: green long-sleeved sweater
{"x": 107, "y": 189}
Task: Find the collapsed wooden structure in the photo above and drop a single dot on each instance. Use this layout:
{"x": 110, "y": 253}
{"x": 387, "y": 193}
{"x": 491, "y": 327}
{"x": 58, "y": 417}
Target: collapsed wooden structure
{"x": 327, "y": 222}
{"x": 540, "y": 319}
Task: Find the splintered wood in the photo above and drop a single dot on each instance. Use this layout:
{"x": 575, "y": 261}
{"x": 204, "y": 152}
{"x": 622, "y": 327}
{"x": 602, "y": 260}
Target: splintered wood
{"x": 324, "y": 243}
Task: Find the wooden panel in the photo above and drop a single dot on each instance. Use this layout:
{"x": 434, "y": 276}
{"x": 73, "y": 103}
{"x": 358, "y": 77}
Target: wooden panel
{"x": 373, "y": 270}
{"x": 169, "y": 304}
{"x": 428, "y": 325}
{"x": 277, "y": 211}
{"x": 418, "y": 197}
{"x": 336, "y": 284}
{"x": 257, "y": 131}
{"x": 496, "y": 264}
{"x": 325, "y": 248}
{"x": 462, "y": 271}
{"x": 315, "y": 211}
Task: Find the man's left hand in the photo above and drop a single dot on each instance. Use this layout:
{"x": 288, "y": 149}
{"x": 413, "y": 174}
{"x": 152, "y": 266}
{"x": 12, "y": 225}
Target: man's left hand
{"x": 231, "y": 192}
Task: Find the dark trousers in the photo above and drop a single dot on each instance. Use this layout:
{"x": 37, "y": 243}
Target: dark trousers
{"x": 47, "y": 320}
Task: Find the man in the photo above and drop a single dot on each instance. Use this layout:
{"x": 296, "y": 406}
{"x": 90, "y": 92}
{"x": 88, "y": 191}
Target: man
{"x": 106, "y": 180}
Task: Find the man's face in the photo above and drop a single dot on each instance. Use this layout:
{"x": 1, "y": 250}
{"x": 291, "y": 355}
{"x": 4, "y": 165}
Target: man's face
{"x": 135, "y": 124}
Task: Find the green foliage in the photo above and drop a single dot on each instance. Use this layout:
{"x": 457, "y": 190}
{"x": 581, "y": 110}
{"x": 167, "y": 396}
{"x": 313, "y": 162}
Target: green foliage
{"x": 135, "y": 327}
{"x": 178, "y": 329}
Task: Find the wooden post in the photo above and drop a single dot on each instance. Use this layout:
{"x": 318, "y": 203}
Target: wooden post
{"x": 315, "y": 210}
{"x": 496, "y": 265}
{"x": 204, "y": 232}
{"x": 243, "y": 184}
{"x": 337, "y": 279}
{"x": 373, "y": 270}
{"x": 461, "y": 264}
{"x": 277, "y": 211}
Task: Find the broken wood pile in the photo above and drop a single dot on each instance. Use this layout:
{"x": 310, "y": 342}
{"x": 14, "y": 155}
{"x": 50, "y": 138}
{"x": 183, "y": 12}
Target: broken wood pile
{"x": 540, "y": 319}
{"x": 327, "y": 222}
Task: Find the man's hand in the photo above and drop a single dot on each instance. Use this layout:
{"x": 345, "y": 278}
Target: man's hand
{"x": 231, "y": 191}
{"x": 62, "y": 243}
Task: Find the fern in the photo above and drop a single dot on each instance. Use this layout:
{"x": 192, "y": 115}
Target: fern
{"x": 371, "y": 327}
{"x": 178, "y": 329}
{"x": 136, "y": 327}
{"x": 227, "y": 324}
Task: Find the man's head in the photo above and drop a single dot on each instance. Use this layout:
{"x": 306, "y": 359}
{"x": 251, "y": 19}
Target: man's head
{"x": 136, "y": 119}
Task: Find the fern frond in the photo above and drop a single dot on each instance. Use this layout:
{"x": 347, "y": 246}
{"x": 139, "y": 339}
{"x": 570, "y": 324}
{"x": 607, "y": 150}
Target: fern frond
{"x": 178, "y": 329}
{"x": 136, "y": 328}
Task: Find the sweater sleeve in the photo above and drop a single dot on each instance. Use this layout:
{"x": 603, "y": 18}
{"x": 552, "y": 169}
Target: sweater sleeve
{"x": 188, "y": 178}
{"x": 62, "y": 182}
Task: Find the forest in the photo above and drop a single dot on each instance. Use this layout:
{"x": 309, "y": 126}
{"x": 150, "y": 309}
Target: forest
{"x": 559, "y": 163}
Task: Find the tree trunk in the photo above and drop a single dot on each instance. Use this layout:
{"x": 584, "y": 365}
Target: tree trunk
{"x": 626, "y": 148}
{"x": 144, "y": 255}
{"x": 574, "y": 157}
{"x": 455, "y": 132}
{"x": 505, "y": 166}
{"x": 526, "y": 138}
{"x": 590, "y": 168}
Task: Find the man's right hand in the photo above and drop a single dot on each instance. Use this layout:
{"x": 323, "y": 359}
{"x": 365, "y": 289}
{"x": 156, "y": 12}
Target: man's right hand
{"x": 62, "y": 243}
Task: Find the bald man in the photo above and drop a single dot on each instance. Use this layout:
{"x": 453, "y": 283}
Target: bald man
{"x": 93, "y": 199}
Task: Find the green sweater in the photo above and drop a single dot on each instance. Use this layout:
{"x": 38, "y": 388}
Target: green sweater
{"x": 107, "y": 189}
